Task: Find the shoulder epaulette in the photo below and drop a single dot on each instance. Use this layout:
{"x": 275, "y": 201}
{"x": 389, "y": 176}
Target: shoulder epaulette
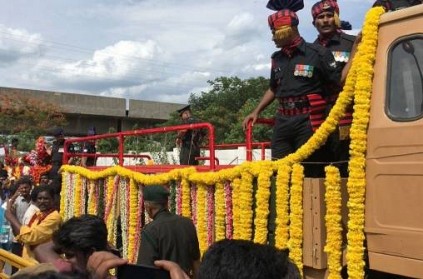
{"x": 276, "y": 53}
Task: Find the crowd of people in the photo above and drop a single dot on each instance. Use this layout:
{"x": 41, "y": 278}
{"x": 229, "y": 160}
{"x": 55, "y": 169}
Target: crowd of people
{"x": 306, "y": 79}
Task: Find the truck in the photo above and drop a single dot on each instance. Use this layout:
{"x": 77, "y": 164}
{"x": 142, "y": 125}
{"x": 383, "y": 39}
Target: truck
{"x": 384, "y": 187}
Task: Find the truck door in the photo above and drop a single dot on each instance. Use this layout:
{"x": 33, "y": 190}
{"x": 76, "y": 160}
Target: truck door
{"x": 394, "y": 172}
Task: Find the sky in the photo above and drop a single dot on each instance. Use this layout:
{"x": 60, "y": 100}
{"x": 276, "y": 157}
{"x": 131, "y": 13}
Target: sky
{"x": 154, "y": 50}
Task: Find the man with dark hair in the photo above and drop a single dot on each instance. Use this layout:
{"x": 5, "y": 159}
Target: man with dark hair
{"x": 169, "y": 236}
{"x": 74, "y": 242}
{"x": 242, "y": 259}
{"x": 299, "y": 72}
{"x": 189, "y": 140}
{"x": 326, "y": 19}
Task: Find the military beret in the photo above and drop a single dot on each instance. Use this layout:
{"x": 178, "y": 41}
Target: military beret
{"x": 155, "y": 193}
{"x": 180, "y": 111}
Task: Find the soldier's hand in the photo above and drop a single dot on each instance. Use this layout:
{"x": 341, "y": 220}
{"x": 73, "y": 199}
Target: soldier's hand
{"x": 251, "y": 117}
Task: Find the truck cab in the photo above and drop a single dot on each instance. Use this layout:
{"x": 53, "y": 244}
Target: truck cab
{"x": 394, "y": 171}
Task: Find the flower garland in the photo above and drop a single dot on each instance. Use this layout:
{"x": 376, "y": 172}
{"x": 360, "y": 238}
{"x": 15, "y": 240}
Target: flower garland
{"x": 179, "y": 198}
{"x": 124, "y": 212}
{"x": 134, "y": 219}
{"x": 201, "y": 217}
{"x": 219, "y": 196}
{"x": 236, "y": 209}
{"x": 172, "y": 197}
{"x": 228, "y": 208}
{"x": 110, "y": 211}
{"x": 193, "y": 193}
{"x": 282, "y": 207}
{"x": 356, "y": 185}
{"x": 262, "y": 205}
{"x": 210, "y": 215}
{"x": 77, "y": 196}
{"x": 333, "y": 217}
{"x": 186, "y": 196}
{"x": 246, "y": 205}
{"x": 295, "y": 242}
{"x": 92, "y": 198}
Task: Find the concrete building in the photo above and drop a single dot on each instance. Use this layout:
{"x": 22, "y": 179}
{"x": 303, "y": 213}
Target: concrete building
{"x": 84, "y": 111}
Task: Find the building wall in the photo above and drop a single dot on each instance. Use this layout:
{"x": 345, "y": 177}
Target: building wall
{"x": 84, "y": 111}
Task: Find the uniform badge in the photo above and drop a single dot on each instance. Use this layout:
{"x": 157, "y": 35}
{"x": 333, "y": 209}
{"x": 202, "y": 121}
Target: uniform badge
{"x": 304, "y": 70}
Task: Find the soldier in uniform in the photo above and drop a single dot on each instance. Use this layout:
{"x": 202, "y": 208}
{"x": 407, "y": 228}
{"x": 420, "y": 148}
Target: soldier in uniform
{"x": 169, "y": 236}
{"x": 298, "y": 74}
{"x": 327, "y": 22}
{"x": 189, "y": 140}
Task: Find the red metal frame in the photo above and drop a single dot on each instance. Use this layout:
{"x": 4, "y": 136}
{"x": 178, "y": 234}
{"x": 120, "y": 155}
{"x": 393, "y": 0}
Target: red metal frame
{"x": 214, "y": 162}
{"x": 121, "y": 138}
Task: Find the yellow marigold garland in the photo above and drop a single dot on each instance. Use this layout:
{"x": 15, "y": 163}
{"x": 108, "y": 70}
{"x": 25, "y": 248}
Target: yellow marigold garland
{"x": 236, "y": 209}
{"x": 333, "y": 217}
{"x": 186, "y": 198}
{"x": 219, "y": 207}
{"x": 201, "y": 217}
{"x": 77, "y": 195}
{"x": 246, "y": 205}
{"x": 124, "y": 215}
{"x": 132, "y": 227}
{"x": 92, "y": 199}
{"x": 282, "y": 207}
{"x": 295, "y": 242}
{"x": 262, "y": 204}
{"x": 110, "y": 211}
{"x": 357, "y": 180}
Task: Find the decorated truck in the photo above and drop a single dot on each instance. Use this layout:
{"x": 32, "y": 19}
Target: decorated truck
{"x": 371, "y": 220}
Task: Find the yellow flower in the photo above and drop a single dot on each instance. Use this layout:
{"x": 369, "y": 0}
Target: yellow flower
{"x": 282, "y": 207}
{"x": 262, "y": 204}
{"x": 201, "y": 217}
{"x": 295, "y": 242}
{"x": 333, "y": 217}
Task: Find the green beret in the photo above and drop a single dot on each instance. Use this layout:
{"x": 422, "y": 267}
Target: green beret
{"x": 155, "y": 193}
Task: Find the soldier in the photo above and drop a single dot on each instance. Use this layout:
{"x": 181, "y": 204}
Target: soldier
{"x": 189, "y": 140}
{"x": 168, "y": 236}
{"x": 299, "y": 72}
{"x": 326, "y": 20}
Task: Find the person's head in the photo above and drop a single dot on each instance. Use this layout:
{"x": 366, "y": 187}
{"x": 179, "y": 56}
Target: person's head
{"x": 24, "y": 185}
{"x": 242, "y": 259}
{"x": 155, "y": 199}
{"x": 325, "y": 15}
{"x": 283, "y": 25}
{"x": 185, "y": 112}
{"x": 79, "y": 237}
{"x": 44, "y": 179}
{"x": 44, "y": 195}
{"x": 59, "y": 134}
{"x": 91, "y": 131}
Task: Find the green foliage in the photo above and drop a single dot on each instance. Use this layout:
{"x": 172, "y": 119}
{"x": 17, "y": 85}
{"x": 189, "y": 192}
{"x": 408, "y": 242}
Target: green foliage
{"x": 109, "y": 145}
{"x": 226, "y": 104}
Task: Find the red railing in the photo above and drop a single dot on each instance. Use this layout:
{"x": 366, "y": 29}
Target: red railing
{"x": 249, "y": 135}
{"x": 249, "y": 144}
{"x": 121, "y": 139}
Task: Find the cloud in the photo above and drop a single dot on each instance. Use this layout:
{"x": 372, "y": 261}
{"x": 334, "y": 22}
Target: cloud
{"x": 141, "y": 49}
{"x": 17, "y": 44}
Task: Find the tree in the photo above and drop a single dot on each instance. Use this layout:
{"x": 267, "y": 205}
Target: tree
{"x": 27, "y": 118}
{"x": 22, "y": 114}
{"x": 227, "y": 103}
